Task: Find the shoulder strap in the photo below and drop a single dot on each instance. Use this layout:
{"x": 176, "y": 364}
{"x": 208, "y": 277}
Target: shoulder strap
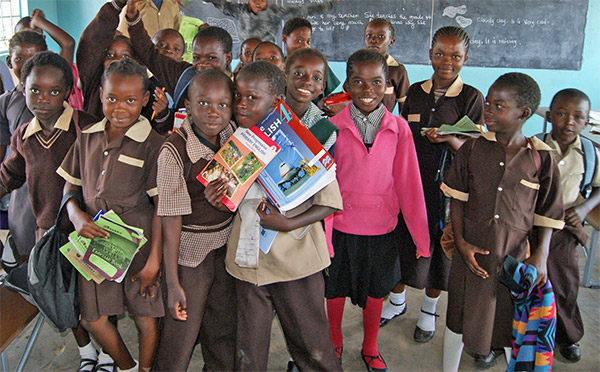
{"x": 541, "y": 136}
{"x": 589, "y": 164}
{"x": 537, "y": 159}
{"x": 182, "y": 83}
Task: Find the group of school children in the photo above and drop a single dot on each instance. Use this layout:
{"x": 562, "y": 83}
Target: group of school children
{"x": 376, "y": 229}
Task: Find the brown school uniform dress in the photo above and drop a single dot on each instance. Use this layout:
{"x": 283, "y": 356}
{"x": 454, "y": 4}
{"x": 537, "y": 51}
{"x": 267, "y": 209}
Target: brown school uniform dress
{"x": 21, "y": 222}
{"x": 118, "y": 176}
{"x": 397, "y": 85}
{"x": 421, "y": 110}
{"x": 209, "y": 289}
{"x": 563, "y": 259}
{"x": 35, "y": 158}
{"x": 289, "y": 280}
{"x": 503, "y": 202}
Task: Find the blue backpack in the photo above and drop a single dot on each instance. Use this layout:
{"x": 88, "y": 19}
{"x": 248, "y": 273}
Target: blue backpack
{"x": 182, "y": 83}
{"x": 589, "y": 163}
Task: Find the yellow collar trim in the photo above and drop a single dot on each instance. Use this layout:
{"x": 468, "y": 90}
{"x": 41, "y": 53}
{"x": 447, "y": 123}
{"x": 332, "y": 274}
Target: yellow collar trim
{"x": 391, "y": 61}
{"x": 138, "y": 132}
{"x": 63, "y": 122}
{"x": 453, "y": 90}
{"x": 490, "y": 136}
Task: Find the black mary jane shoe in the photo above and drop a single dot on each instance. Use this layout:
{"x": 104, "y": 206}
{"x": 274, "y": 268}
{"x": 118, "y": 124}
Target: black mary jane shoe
{"x": 572, "y": 352}
{"x": 489, "y": 360}
{"x": 292, "y": 367}
{"x": 384, "y": 321}
{"x": 421, "y": 335}
{"x": 369, "y": 358}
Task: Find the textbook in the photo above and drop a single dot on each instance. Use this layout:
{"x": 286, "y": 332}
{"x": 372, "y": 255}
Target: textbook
{"x": 300, "y": 170}
{"x": 110, "y": 257}
{"x": 76, "y": 259}
{"x": 463, "y": 127}
{"x": 240, "y": 160}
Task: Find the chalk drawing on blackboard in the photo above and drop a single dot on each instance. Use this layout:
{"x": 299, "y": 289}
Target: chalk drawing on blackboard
{"x": 463, "y": 21}
{"x": 227, "y": 24}
{"x": 452, "y": 11}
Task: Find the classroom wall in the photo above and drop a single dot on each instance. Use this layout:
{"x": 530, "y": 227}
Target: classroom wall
{"x": 74, "y": 15}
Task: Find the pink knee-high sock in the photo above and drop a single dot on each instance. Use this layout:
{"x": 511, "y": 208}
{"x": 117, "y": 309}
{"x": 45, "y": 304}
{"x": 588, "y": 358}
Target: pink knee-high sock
{"x": 335, "y": 313}
{"x": 371, "y": 317}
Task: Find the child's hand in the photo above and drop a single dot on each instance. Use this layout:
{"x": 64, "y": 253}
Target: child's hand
{"x": 85, "y": 226}
{"x": 160, "y": 103}
{"x": 132, "y": 9}
{"x": 418, "y": 255}
{"x": 177, "y": 302}
{"x": 271, "y": 219}
{"x": 468, "y": 251}
{"x": 331, "y": 110}
{"x": 576, "y": 215}
{"x": 37, "y": 19}
{"x": 539, "y": 261}
{"x": 215, "y": 192}
{"x": 149, "y": 278}
{"x": 433, "y": 137}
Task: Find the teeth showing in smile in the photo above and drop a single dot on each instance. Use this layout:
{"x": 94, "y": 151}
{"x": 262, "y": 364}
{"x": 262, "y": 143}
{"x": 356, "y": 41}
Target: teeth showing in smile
{"x": 367, "y": 100}
{"x": 303, "y": 91}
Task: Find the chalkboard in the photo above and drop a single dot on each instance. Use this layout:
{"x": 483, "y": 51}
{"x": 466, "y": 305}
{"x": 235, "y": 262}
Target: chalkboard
{"x": 537, "y": 34}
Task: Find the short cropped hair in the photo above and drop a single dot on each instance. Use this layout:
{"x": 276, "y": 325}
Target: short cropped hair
{"x": 571, "y": 93}
{"x": 365, "y": 55}
{"x": 289, "y": 61}
{"x": 295, "y": 23}
{"x": 268, "y": 43}
{"x": 127, "y": 67}
{"x": 48, "y": 58}
{"x": 167, "y": 31}
{"x": 452, "y": 31}
{"x": 527, "y": 91}
{"x": 212, "y": 75}
{"x": 267, "y": 72}
{"x": 216, "y": 33}
{"x": 385, "y": 22}
{"x": 258, "y": 41}
{"x": 27, "y": 37}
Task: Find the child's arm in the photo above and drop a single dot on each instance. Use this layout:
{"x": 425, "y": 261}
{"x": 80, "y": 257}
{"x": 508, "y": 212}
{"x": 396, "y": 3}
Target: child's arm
{"x": 149, "y": 275}
{"x": 63, "y": 39}
{"x": 164, "y": 68}
{"x": 576, "y": 215}
{"x": 539, "y": 256}
{"x": 83, "y": 222}
{"x": 271, "y": 219}
{"x": 177, "y": 301}
{"x": 12, "y": 171}
{"x": 466, "y": 249}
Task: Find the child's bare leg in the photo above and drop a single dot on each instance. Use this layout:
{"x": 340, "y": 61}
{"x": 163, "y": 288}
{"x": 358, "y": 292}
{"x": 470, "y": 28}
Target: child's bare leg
{"x": 148, "y": 340}
{"x": 82, "y": 337}
{"x": 109, "y": 338}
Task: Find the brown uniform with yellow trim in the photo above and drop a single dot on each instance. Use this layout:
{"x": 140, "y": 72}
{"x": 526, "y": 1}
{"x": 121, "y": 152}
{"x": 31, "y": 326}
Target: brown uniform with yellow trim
{"x": 397, "y": 85}
{"x": 503, "y": 202}
{"x": 120, "y": 175}
{"x": 421, "y": 110}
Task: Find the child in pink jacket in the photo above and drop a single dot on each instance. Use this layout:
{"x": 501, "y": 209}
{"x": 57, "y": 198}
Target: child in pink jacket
{"x": 379, "y": 177}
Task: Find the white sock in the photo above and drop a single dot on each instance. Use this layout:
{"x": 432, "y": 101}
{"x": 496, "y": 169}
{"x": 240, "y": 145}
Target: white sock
{"x": 452, "y": 351}
{"x": 88, "y": 352}
{"x": 104, "y": 358}
{"x": 507, "y": 354}
{"x": 427, "y": 322}
{"x": 132, "y": 369}
{"x": 394, "y": 306}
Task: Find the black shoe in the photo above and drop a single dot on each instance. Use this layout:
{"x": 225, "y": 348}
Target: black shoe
{"x": 571, "y": 352}
{"x": 384, "y": 321}
{"x": 369, "y": 358}
{"x": 421, "y": 335}
{"x": 292, "y": 367}
{"x": 489, "y": 360}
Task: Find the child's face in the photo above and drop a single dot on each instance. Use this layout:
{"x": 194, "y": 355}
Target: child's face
{"x": 208, "y": 54}
{"x": 502, "y": 113}
{"x": 568, "y": 115}
{"x": 447, "y": 56}
{"x": 45, "y": 92}
{"x": 366, "y": 85}
{"x": 118, "y": 49}
{"x": 122, "y": 99}
{"x": 306, "y": 79}
{"x": 378, "y": 37}
{"x": 209, "y": 104}
{"x": 269, "y": 53}
{"x": 171, "y": 45}
{"x": 257, "y": 6}
{"x": 247, "y": 50}
{"x": 297, "y": 39}
{"x": 252, "y": 100}
{"x": 20, "y": 54}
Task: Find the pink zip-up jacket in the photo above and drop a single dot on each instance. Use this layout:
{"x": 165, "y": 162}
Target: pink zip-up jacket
{"x": 378, "y": 183}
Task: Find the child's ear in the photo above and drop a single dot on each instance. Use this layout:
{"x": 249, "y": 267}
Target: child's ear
{"x": 188, "y": 105}
{"x": 284, "y": 39}
{"x": 345, "y": 86}
{"x": 430, "y": 54}
{"x": 228, "y": 58}
{"x": 548, "y": 117}
{"x": 276, "y": 99}
{"x": 526, "y": 113}
{"x": 392, "y": 41}
{"x": 146, "y": 98}
{"x": 101, "y": 95}
{"x": 466, "y": 58}
{"x": 8, "y": 63}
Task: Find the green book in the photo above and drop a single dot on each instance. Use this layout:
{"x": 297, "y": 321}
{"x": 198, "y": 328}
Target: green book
{"x": 463, "y": 127}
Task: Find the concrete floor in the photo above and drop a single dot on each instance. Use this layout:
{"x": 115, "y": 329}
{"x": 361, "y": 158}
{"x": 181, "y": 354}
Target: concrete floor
{"x": 58, "y": 352}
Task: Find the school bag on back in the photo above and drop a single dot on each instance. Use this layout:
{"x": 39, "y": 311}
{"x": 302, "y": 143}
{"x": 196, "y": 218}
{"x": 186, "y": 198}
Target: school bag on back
{"x": 52, "y": 280}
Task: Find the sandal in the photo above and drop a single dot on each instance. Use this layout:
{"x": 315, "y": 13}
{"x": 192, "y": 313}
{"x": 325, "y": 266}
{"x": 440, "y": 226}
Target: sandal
{"x": 369, "y": 358}
{"x": 338, "y": 353}
{"x": 105, "y": 367}
{"x": 87, "y": 365}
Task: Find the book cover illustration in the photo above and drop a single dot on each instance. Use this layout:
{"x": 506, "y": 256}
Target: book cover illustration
{"x": 240, "y": 160}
